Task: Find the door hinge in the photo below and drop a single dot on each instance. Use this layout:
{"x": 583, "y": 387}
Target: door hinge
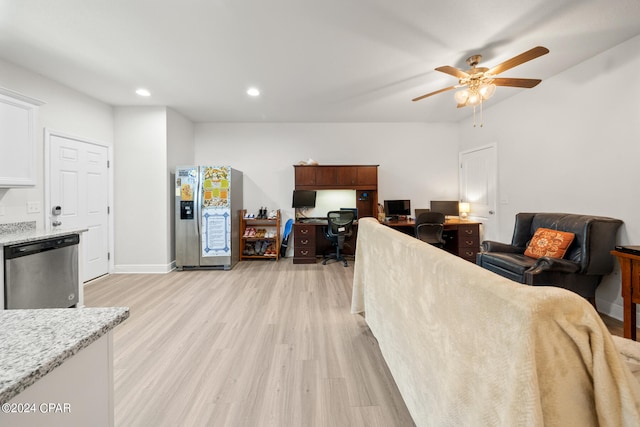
{"x": 108, "y": 163}
{"x": 108, "y": 256}
{"x": 108, "y": 210}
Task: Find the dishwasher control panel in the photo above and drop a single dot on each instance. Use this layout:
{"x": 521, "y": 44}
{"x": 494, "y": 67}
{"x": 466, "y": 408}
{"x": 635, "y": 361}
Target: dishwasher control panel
{"x": 23, "y": 249}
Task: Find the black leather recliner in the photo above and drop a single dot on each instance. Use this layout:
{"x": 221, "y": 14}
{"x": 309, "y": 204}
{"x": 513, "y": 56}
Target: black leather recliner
{"x": 586, "y": 261}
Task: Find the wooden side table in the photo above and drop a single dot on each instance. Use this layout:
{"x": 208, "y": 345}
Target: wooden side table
{"x": 630, "y": 275}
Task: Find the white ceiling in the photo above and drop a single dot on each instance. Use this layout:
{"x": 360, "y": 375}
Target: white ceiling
{"x": 315, "y": 61}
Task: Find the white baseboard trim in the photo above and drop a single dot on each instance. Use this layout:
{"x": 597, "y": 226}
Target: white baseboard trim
{"x": 614, "y": 310}
{"x": 144, "y": 268}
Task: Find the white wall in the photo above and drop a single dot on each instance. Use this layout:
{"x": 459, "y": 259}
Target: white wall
{"x": 141, "y": 196}
{"x": 572, "y": 144}
{"x": 66, "y": 111}
{"x": 418, "y": 161}
{"x": 180, "y": 152}
{"x": 151, "y": 141}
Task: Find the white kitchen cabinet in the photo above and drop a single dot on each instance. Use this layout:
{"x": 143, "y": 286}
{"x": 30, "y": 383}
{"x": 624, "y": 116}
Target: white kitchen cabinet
{"x": 18, "y": 121}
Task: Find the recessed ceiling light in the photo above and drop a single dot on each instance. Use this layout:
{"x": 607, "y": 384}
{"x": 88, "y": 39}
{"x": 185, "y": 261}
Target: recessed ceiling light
{"x": 252, "y": 91}
{"x": 143, "y": 92}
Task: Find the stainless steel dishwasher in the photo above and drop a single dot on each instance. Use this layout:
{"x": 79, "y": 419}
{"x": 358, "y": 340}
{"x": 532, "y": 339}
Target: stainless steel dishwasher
{"x": 42, "y": 274}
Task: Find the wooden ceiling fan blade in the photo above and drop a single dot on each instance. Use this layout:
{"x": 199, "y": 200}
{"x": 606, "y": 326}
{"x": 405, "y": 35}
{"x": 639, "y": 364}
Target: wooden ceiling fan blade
{"x": 519, "y": 59}
{"x": 434, "y": 93}
{"x": 453, "y": 71}
{"x": 526, "y": 83}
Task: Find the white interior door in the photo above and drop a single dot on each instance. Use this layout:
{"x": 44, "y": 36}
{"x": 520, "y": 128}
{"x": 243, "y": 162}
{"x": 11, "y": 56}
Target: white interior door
{"x": 478, "y": 186}
{"x": 79, "y": 184}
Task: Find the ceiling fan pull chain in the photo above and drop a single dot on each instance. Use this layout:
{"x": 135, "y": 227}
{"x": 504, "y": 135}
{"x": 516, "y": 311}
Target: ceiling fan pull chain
{"x": 481, "y": 118}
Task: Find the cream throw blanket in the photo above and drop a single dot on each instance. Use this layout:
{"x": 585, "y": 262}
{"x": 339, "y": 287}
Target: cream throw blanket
{"x": 467, "y": 347}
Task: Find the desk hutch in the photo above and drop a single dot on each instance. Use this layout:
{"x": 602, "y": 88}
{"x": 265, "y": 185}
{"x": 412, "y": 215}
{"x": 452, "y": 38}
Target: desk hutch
{"x": 462, "y": 237}
{"x": 361, "y": 178}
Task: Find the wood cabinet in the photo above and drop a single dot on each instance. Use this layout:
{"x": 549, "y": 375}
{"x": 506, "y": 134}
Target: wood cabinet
{"x": 336, "y": 177}
{"x": 367, "y": 175}
{"x": 304, "y": 243}
{"x": 347, "y": 176}
{"x": 463, "y": 239}
{"x": 17, "y": 139}
{"x": 326, "y": 176}
{"x": 362, "y": 178}
{"x": 259, "y": 237}
{"x": 305, "y": 176}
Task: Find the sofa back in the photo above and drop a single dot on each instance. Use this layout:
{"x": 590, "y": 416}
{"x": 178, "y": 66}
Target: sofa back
{"x": 595, "y": 237}
{"x": 468, "y": 347}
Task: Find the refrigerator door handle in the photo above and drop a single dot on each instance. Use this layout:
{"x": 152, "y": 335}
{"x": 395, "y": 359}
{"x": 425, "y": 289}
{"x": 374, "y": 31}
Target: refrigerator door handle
{"x": 198, "y": 206}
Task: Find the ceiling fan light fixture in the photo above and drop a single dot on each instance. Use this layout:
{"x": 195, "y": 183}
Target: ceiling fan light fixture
{"x": 487, "y": 90}
{"x": 481, "y": 82}
{"x": 474, "y": 99}
{"x": 461, "y": 96}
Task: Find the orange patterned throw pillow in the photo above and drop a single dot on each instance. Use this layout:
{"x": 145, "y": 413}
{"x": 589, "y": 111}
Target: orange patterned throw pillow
{"x": 547, "y": 242}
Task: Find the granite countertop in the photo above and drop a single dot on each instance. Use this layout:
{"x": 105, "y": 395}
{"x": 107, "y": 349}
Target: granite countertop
{"x": 34, "y": 342}
{"x": 24, "y": 236}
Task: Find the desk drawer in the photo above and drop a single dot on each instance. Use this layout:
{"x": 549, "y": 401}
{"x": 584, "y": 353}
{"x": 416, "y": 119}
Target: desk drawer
{"x": 466, "y": 241}
{"x": 468, "y": 230}
{"x": 304, "y": 230}
{"x": 304, "y": 255}
{"x": 468, "y": 254}
{"x": 304, "y": 244}
{"x": 304, "y": 247}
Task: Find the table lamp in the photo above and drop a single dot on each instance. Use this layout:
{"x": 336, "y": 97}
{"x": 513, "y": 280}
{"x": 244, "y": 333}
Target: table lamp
{"x": 464, "y": 209}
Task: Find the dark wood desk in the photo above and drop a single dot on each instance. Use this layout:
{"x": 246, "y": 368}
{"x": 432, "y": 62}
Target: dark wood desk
{"x": 309, "y": 242}
{"x": 462, "y": 238}
{"x": 630, "y": 274}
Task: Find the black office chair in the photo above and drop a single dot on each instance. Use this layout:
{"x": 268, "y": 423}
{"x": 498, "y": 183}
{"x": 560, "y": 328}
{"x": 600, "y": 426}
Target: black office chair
{"x": 339, "y": 229}
{"x": 429, "y": 228}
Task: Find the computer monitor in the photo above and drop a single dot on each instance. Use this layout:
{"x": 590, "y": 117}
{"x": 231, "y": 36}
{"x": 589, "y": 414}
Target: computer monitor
{"x": 304, "y": 199}
{"x": 421, "y": 211}
{"x": 397, "y": 207}
{"x": 446, "y": 207}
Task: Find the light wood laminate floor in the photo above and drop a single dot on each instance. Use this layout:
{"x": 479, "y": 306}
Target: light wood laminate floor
{"x": 265, "y": 344}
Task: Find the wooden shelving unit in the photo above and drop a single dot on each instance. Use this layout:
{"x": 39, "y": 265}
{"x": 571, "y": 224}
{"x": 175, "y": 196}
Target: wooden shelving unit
{"x": 259, "y": 245}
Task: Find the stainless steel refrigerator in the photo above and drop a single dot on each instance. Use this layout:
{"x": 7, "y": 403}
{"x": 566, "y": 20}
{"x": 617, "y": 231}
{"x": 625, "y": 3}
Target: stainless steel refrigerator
{"x": 208, "y": 200}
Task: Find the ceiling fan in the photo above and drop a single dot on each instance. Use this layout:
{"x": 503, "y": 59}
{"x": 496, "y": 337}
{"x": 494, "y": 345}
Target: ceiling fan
{"x": 481, "y": 82}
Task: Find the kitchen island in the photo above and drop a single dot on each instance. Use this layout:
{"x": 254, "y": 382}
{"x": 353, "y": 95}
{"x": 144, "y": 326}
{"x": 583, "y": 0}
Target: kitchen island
{"x": 56, "y": 366}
